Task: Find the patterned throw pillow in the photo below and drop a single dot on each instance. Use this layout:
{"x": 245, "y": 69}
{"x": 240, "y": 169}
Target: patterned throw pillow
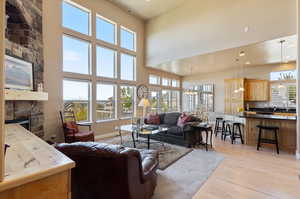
{"x": 183, "y": 119}
{"x": 153, "y": 119}
{"x": 71, "y": 128}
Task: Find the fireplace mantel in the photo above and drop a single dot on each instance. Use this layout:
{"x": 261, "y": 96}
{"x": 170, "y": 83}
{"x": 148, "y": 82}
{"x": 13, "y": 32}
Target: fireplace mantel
{"x": 20, "y": 95}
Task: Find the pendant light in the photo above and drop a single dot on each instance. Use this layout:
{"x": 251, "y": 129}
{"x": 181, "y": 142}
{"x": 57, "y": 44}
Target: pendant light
{"x": 190, "y": 91}
{"x": 282, "y": 61}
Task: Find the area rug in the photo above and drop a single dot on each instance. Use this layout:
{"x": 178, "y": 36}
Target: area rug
{"x": 183, "y": 179}
{"x": 168, "y": 154}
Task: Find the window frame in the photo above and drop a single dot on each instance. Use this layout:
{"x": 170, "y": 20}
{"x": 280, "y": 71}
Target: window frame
{"x": 134, "y": 67}
{"x": 89, "y": 54}
{"x": 134, "y": 38}
{"x": 154, "y": 76}
{"x": 84, "y": 9}
{"x": 89, "y": 115}
{"x": 116, "y": 71}
{"x": 115, "y": 29}
{"x": 134, "y": 99}
{"x": 92, "y": 77}
{"x": 169, "y": 82}
{"x": 114, "y": 101}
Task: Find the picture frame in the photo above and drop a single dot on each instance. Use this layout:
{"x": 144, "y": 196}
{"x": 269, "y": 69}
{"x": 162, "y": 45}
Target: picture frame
{"x": 18, "y": 74}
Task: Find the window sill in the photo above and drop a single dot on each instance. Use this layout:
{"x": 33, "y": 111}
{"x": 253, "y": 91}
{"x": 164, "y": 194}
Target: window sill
{"x": 106, "y": 121}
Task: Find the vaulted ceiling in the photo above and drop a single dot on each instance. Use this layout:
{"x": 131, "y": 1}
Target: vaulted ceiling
{"x": 148, "y": 9}
{"x": 268, "y": 52}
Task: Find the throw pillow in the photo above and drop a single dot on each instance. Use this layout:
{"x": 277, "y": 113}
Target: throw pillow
{"x": 153, "y": 119}
{"x": 71, "y": 128}
{"x": 183, "y": 119}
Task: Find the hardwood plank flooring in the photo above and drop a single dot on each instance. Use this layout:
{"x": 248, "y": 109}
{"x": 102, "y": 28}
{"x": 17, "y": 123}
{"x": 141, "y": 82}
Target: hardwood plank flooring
{"x": 249, "y": 174}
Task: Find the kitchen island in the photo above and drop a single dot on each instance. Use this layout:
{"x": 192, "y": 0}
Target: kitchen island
{"x": 33, "y": 168}
{"x": 287, "y": 130}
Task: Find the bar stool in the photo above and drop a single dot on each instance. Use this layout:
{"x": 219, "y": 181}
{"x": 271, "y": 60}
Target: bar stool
{"x": 226, "y": 129}
{"x": 218, "y": 125}
{"x": 273, "y": 129}
{"x": 236, "y": 126}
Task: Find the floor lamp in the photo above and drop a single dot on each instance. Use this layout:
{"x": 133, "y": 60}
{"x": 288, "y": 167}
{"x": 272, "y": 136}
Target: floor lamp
{"x": 145, "y": 104}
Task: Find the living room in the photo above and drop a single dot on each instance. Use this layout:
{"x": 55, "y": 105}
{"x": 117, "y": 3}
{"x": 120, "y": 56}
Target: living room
{"x": 171, "y": 99}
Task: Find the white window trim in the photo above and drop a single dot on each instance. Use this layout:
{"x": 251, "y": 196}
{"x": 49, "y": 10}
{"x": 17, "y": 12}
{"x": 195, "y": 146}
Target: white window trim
{"x": 112, "y": 22}
{"x": 92, "y": 77}
{"x": 134, "y": 38}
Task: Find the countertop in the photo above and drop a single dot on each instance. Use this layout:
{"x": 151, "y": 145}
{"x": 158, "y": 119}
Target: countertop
{"x": 29, "y": 158}
{"x": 269, "y": 117}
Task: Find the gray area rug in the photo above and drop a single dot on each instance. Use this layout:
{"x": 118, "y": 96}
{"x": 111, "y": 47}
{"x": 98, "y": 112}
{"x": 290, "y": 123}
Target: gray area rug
{"x": 168, "y": 154}
{"x": 184, "y": 178}
{"x": 186, "y": 170}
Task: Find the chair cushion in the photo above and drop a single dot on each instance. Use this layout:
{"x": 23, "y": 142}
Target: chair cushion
{"x": 71, "y": 128}
{"x": 183, "y": 119}
{"x": 153, "y": 119}
{"x": 171, "y": 118}
{"x": 149, "y": 160}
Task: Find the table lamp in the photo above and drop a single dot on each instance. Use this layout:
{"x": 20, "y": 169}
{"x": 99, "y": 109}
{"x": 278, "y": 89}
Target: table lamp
{"x": 144, "y": 103}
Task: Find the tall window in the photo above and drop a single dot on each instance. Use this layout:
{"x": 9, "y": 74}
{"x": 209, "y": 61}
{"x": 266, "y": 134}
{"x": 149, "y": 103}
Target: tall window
{"x": 75, "y": 18}
{"x": 77, "y": 98}
{"x": 154, "y": 101}
{"x": 175, "y": 83}
{"x": 106, "y": 62}
{"x": 166, "y": 82}
{"x": 127, "y": 39}
{"x": 107, "y": 75}
{"x": 175, "y": 101}
{"x": 199, "y": 98}
{"x": 127, "y": 100}
{"x": 105, "y": 109}
{"x": 166, "y": 101}
{"x": 76, "y": 55}
{"x": 127, "y": 67}
{"x": 154, "y": 79}
{"x": 283, "y": 94}
{"x": 106, "y": 30}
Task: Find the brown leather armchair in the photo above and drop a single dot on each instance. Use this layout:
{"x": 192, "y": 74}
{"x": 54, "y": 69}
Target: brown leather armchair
{"x": 105, "y": 171}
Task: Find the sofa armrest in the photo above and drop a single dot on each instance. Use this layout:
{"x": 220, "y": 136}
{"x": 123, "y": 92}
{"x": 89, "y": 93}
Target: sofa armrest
{"x": 146, "y": 165}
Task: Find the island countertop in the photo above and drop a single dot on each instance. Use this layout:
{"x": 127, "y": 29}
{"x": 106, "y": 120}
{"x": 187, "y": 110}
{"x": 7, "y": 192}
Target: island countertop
{"x": 29, "y": 158}
{"x": 267, "y": 116}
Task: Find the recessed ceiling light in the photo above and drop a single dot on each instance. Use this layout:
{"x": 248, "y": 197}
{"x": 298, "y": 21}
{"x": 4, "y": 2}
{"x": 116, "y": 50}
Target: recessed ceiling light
{"x": 248, "y": 63}
{"x": 242, "y": 54}
{"x": 246, "y": 29}
{"x": 148, "y": 0}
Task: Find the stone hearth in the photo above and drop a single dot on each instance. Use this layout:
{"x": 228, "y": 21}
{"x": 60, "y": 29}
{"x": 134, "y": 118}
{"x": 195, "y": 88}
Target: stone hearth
{"x": 24, "y": 40}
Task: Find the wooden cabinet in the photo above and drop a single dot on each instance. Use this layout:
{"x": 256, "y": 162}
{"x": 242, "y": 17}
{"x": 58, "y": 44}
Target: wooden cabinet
{"x": 257, "y": 90}
{"x": 234, "y": 101}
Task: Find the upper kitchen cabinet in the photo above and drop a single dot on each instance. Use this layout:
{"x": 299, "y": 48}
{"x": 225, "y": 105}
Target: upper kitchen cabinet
{"x": 257, "y": 90}
{"x": 234, "y": 96}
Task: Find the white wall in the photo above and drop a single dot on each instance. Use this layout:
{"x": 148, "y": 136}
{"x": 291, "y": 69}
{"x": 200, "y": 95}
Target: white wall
{"x": 199, "y": 27}
{"x": 252, "y": 72}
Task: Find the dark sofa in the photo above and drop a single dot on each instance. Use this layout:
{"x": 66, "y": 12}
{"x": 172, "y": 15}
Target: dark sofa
{"x": 106, "y": 171}
{"x": 179, "y": 135}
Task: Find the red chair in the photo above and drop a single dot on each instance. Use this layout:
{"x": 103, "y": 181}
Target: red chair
{"x": 71, "y": 130}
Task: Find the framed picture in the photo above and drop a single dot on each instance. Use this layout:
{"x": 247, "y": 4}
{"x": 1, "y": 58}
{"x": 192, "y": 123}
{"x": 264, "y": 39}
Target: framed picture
{"x": 18, "y": 74}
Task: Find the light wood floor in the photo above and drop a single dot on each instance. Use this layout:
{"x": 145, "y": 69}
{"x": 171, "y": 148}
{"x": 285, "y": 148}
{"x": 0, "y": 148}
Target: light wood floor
{"x": 248, "y": 174}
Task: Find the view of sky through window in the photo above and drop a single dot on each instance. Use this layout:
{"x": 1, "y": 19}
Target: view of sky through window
{"x": 75, "y": 18}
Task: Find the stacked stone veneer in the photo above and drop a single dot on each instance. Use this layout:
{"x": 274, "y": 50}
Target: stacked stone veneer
{"x": 24, "y": 40}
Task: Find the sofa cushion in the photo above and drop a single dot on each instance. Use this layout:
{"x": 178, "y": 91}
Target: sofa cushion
{"x": 162, "y": 118}
{"x": 183, "y": 119}
{"x": 153, "y": 119}
{"x": 175, "y": 130}
{"x": 171, "y": 118}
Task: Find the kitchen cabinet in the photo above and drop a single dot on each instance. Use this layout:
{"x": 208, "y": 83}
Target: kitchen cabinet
{"x": 234, "y": 101}
{"x": 257, "y": 90}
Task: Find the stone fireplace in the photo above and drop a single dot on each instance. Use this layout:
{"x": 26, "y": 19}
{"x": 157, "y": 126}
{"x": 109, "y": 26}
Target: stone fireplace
{"x": 24, "y": 40}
